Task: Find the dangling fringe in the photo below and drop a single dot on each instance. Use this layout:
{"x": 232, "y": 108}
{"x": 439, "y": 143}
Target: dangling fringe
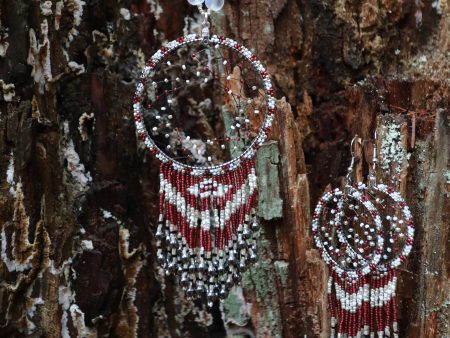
{"x": 347, "y": 306}
{"x": 365, "y": 307}
{"x": 383, "y": 286}
{"x": 207, "y": 227}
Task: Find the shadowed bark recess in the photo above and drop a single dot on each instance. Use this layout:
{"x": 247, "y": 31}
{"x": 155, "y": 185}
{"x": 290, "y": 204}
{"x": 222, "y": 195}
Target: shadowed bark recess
{"x": 78, "y": 194}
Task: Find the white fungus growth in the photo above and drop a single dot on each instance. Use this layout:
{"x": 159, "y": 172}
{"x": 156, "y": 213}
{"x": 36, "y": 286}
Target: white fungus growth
{"x": 76, "y": 8}
{"x": 10, "y": 176}
{"x": 74, "y": 166}
{"x": 39, "y": 57}
{"x": 21, "y": 242}
{"x": 87, "y": 244}
{"x": 155, "y": 8}
{"x": 83, "y": 121}
{"x": 12, "y": 264}
{"x": 106, "y": 214}
{"x": 78, "y": 322}
{"x": 125, "y": 13}
{"x": 192, "y": 24}
{"x": 76, "y": 68}
{"x": 58, "y": 13}
{"x": 46, "y": 8}
{"x": 65, "y": 298}
{"x": 7, "y": 90}
{"x": 31, "y": 310}
{"x": 439, "y": 6}
{"x": 4, "y": 44}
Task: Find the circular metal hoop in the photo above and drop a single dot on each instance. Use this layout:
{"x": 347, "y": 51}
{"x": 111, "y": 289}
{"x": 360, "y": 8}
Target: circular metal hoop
{"x": 339, "y": 196}
{"x": 250, "y": 150}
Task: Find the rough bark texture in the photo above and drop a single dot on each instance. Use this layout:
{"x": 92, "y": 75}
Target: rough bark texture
{"x": 78, "y": 197}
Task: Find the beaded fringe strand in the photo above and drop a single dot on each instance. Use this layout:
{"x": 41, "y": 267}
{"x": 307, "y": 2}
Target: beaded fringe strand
{"x": 365, "y": 307}
{"x": 207, "y": 228}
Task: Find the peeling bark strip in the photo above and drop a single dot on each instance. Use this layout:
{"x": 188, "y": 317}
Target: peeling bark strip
{"x": 77, "y": 206}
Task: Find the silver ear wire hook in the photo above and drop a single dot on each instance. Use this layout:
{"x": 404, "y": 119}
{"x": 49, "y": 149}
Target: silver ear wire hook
{"x": 349, "y": 176}
{"x": 373, "y": 172}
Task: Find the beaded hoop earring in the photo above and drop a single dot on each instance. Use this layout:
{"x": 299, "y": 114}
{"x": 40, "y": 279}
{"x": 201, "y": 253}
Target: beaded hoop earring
{"x": 363, "y": 302}
{"x": 360, "y": 243}
{"x": 207, "y": 226}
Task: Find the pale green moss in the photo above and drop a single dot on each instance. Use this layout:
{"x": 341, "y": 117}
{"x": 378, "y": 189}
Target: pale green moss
{"x": 270, "y": 205}
{"x": 228, "y": 121}
{"x": 282, "y": 268}
{"x": 267, "y": 29}
{"x": 261, "y": 279}
{"x": 234, "y": 308}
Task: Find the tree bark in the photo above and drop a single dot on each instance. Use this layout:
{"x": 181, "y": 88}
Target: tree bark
{"x": 78, "y": 196}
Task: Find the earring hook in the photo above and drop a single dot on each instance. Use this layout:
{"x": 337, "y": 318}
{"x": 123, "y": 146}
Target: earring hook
{"x": 349, "y": 176}
{"x": 373, "y": 173}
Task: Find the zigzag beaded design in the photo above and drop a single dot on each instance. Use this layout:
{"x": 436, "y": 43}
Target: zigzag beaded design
{"x": 362, "y": 286}
{"x": 207, "y": 227}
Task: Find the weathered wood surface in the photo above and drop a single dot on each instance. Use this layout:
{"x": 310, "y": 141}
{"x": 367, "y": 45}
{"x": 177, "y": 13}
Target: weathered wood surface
{"x": 78, "y": 198}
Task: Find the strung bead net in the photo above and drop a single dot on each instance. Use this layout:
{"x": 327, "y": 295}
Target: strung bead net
{"x": 203, "y": 107}
{"x": 364, "y": 234}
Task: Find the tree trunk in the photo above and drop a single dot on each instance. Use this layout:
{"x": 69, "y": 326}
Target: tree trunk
{"x": 78, "y": 196}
